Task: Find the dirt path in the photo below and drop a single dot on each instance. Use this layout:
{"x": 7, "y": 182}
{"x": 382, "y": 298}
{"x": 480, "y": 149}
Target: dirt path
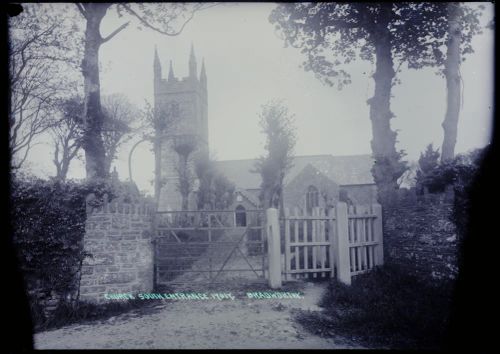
{"x": 201, "y": 324}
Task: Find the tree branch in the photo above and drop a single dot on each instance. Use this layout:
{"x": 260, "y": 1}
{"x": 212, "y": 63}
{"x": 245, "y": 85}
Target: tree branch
{"x": 147, "y": 24}
{"x": 114, "y": 33}
{"x": 82, "y": 10}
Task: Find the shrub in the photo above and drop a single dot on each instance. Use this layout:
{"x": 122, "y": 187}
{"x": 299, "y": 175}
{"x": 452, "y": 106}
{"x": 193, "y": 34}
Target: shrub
{"x": 215, "y": 190}
{"x": 386, "y": 308}
{"x": 48, "y": 225}
{"x": 428, "y": 161}
{"x": 458, "y": 173}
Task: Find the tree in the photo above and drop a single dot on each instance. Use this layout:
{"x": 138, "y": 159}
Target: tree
{"x": 155, "y": 124}
{"x": 462, "y": 24}
{"x": 66, "y": 135}
{"x": 223, "y": 192}
{"x": 429, "y": 159}
{"x": 158, "y": 17}
{"x": 277, "y": 124}
{"x": 452, "y": 73}
{"x": 215, "y": 191}
{"x": 334, "y": 34}
{"x": 119, "y": 115}
{"x": 427, "y": 163}
{"x": 184, "y": 146}
{"x": 205, "y": 172}
{"x": 41, "y": 47}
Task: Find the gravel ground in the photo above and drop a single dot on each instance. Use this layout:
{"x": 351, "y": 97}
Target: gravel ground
{"x": 201, "y": 324}
{"x": 241, "y": 323}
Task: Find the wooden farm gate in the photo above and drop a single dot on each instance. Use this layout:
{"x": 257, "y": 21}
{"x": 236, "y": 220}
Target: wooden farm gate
{"x": 338, "y": 242}
{"x": 206, "y": 247}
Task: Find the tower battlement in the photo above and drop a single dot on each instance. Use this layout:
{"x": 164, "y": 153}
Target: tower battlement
{"x": 175, "y": 85}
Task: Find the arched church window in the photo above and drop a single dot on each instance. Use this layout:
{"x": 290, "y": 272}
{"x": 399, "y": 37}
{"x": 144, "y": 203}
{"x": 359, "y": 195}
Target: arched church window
{"x": 240, "y": 216}
{"x": 312, "y": 198}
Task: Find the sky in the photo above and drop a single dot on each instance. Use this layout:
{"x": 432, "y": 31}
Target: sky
{"x": 248, "y": 65}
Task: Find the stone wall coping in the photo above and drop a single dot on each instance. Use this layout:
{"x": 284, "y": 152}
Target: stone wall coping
{"x": 118, "y": 206}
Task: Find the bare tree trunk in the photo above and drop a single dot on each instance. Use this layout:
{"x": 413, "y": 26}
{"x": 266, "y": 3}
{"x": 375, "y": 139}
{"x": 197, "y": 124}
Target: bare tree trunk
{"x": 58, "y": 164}
{"x": 387, "y": 167}
{"x": 63, "y": 166}
{"x": 64, "y": 171}
{"x": 107, "y": 165}
{"x": 452, "y": 73}
{"x": 62, "y": 163}
{"x": 93, "y": 119}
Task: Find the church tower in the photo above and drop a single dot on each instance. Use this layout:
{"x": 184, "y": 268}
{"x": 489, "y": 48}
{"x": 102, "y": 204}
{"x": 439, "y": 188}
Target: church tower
{"x": 181, "y": 128}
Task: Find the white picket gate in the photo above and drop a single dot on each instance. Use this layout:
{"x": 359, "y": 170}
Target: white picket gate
{"x": 339, "y": 242}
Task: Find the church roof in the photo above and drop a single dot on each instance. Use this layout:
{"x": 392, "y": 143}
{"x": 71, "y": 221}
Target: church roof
{"x": 344, "y": 170}
{"x": 252, "y": 199}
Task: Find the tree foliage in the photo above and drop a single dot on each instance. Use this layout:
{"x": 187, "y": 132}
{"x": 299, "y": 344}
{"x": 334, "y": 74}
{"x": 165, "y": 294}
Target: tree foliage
{"x": 429, "y": 159}
{"x": 184, "y": 146}
{"x": 215, "y": 191}
{"x": 156, "y": 123}
{"x": 332, "y": 35}
{"x": 48, "y": 225}
{"x": 119, "y": 118}
{"x": 427, "y": 162}
{"x": 66, "y": 135}
{"x": 41, "y": 46}
{"x": 457, "y": 174}
{"x": 167, "y": 19}
{"x": 277, "y": 124}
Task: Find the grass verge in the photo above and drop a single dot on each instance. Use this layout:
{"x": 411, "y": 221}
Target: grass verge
{"x": 385, "y": 308}
{"x": 67, "y": 313}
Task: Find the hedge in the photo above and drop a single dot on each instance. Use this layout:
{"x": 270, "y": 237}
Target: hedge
{"x": 48, "y": 226}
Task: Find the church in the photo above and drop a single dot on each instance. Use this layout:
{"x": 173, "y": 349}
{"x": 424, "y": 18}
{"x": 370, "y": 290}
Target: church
{"x": 181, "y": 110}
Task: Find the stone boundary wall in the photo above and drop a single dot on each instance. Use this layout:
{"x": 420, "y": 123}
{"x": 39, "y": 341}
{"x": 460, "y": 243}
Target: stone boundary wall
{"x": 420, "y": 237}
{"x": 119, "y": 237}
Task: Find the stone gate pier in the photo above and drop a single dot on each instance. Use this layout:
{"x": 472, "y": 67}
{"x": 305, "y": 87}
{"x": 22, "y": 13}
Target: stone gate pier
{"x": 119, "y": 238}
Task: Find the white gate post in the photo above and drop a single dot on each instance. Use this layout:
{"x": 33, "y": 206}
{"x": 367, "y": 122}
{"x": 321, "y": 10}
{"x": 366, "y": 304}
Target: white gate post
{"x": 377, "y": 226}
{"x": 341, "y": 244}
{"x": 273, "y": 248}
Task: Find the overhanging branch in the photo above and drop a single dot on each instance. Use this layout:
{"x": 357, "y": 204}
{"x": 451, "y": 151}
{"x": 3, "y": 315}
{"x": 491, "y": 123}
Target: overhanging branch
{"x": 81, "y": 9}
{"x": 146, "y": 23}
{"x": 114, "y": 33}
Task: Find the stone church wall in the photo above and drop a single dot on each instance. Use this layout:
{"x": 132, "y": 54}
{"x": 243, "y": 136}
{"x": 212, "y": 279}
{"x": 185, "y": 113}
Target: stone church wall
{"x": 295, "y": 191}
{"x": 361, "y": 194}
